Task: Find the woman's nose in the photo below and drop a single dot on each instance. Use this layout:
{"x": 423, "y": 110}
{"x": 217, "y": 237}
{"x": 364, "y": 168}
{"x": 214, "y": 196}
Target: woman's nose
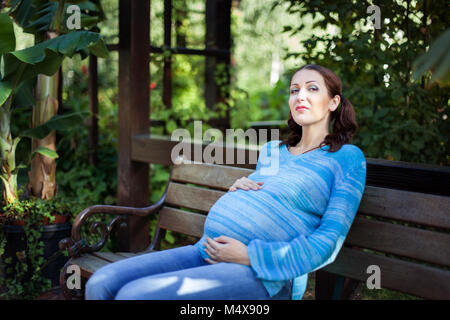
{"x": 301, "y": 95}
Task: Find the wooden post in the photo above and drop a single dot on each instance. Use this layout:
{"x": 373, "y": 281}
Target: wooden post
{"x": 134, "y": 113}
{"x": 167, "y": 77}
{"x": 218, "y": 36}
{"x": 93, "y": 106}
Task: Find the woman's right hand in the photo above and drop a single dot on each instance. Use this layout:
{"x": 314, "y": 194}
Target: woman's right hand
{"x": 245, "y": 184}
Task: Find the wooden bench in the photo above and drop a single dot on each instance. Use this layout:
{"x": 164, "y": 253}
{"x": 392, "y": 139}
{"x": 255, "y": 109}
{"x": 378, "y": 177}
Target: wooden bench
{"x": 405, "y": 234}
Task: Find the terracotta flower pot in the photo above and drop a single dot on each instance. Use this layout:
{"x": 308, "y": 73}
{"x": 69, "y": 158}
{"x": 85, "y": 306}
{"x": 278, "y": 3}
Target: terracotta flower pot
{"x": 59, "y": 219}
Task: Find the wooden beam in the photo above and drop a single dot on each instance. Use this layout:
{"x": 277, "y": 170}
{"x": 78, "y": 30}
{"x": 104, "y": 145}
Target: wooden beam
{"x": 425, "y": 178}
{"x": 93, "y": 106}
{"x": 218, "y": 36}
{"x": 157, "y": 149}
{"x": 419, "y": 177}
{"x": 199, "y": 52}
{"x": 112, "y": 47}
{"x": 182, "y": 50}
{"x": 134, "y": 113}
{"x": 167, "y": 72}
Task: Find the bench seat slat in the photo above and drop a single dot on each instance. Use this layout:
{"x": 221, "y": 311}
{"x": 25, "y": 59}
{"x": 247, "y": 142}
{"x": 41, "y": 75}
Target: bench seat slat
{"x": 412, "y": 278}
{"x": 401, "y": 240}
{"x": 133, "y": 254}
{"x": 91, "y": 262}
{"x": 109, "y": 256}
{"x": 88, "y": 264}
{"x": 126, "y": 254}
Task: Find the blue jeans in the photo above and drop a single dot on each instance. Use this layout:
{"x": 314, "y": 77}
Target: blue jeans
{"x": 179, "y": 273}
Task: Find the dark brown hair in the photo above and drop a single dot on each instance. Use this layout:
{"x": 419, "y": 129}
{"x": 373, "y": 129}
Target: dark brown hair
{"x": 342, "y": 119}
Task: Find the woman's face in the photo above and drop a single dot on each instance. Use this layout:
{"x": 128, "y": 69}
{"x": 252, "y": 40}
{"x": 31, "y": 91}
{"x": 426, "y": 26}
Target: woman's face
{"x": 309, "y": 100}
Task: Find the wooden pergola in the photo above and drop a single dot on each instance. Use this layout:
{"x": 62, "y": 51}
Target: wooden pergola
{"x": 136, "y": 149}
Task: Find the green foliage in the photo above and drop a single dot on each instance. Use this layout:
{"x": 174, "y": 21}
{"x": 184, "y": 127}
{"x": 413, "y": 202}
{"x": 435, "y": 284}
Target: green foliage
{"x": 437, "y": 59}
{"x": 8, "y": 42}
{"x": 18, "y": 73}
{"x": 78, "y": 178}
{"x": 39, "y": 16}
{"x": 159, "y": 176}
{"x": 399, "y": 118}
{"x": 37, "y": 209}
{"x": 46, "y": 58}
{"x": 187, "y": 99}
{"x": 259, "y": 83}
{"x": 19, "y": 70}
{"x": 385, "y": 294}
{"x": 260, "y": 105}
{"x": 24, "y": 275}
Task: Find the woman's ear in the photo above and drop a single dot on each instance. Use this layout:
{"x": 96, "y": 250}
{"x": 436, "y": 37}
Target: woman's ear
{"x": 335, "y": 102}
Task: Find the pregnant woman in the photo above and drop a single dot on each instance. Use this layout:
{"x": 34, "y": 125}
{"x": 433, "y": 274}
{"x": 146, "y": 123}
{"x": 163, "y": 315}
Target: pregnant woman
{"x": 272, "y": 228}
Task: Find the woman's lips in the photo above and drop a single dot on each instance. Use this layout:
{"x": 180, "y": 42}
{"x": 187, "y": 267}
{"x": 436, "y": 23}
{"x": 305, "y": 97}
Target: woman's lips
{"x": 299, "y": 108}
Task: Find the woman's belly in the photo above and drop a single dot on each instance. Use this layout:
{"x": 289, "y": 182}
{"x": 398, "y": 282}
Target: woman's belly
{"x": 287, "y": 205}
{"x": 257, "y": 214}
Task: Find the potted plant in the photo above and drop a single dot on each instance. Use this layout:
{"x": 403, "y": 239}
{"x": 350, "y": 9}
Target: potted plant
{"x": 28, "y": 213}
{"x": 30, "y": 256}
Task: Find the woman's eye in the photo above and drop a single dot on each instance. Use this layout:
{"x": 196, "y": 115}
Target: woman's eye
{"x": 311, "y": 88}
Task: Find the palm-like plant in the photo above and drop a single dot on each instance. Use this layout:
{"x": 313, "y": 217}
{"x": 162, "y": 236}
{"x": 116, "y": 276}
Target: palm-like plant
{"x": 36, "y": 68}
{"x": 436, "y": 60}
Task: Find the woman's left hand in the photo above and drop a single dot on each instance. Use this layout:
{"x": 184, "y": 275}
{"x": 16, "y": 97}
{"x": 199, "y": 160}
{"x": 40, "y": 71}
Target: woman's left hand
{"x": 226, "y": 249}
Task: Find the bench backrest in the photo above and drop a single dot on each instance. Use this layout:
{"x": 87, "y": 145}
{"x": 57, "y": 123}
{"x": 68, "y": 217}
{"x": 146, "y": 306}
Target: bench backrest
{"x": 192, "y": 190}
{"x": 406, "y": 234}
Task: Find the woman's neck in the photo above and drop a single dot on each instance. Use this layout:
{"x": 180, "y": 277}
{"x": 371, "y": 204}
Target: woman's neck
{"x": 310, "y": 139}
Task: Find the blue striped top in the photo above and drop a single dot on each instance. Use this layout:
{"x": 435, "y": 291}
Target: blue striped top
{"x": 296, "y": 223}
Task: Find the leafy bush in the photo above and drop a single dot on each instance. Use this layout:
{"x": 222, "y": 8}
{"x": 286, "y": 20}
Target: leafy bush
{"x": 399, "y": 118}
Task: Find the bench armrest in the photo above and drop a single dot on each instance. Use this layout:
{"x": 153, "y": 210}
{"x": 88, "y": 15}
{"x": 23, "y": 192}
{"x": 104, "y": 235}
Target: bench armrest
{"x": 75, "y": 245}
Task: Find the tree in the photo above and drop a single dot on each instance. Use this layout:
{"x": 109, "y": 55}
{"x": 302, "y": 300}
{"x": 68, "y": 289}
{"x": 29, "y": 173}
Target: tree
{"x": 37, "y": 68}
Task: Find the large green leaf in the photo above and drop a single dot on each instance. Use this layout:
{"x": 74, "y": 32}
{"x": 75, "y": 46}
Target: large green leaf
{"x": 5, "y": 117}
{"x": 437, "y": 60}
{"x": 38, "y": 16}
{"x": 23, "y": 94}
{"x": 7, "y": 37}
{"x": 45, "y": 151}
{"x": 22, "y": 11}
{"x": 42, "y": 17}
{"x": 46, "y": 58}
{"x": 58, "y": 122}
{"x": 6, "y": 89}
